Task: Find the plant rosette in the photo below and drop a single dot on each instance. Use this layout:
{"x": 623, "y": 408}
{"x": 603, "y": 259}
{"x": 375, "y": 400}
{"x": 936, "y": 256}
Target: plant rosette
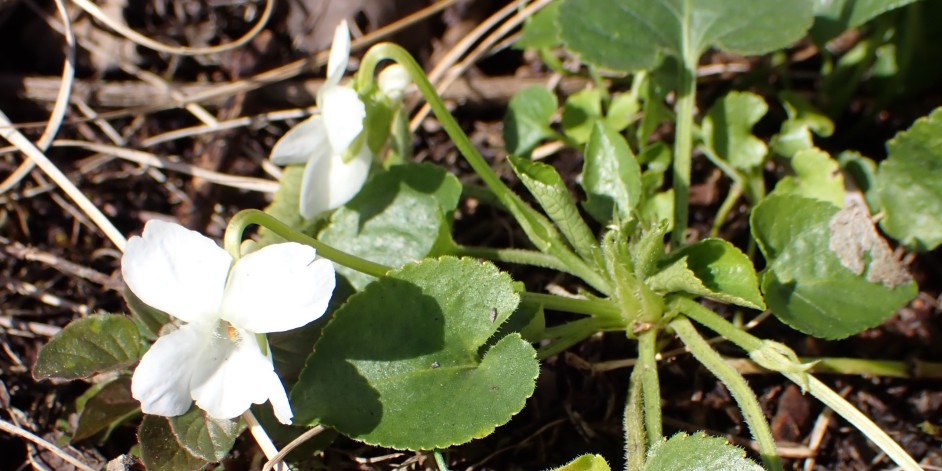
{"x": 219, "y": 356}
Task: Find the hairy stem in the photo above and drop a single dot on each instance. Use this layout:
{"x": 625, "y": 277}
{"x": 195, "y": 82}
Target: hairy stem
{"x": 650, "y": 384}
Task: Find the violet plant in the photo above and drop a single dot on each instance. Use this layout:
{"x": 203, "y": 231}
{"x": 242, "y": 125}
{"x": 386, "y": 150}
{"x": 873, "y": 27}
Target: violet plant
{"x": 422, "y": 330}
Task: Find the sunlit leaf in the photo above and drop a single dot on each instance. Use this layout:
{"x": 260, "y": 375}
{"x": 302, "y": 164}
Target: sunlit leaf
{"x": 404, "y": 364}
{"x": 585, "y": 463}
{"x": 817, "y": 176}
{"x": 727, "y": 129}
{"x": 697, "y": 452}
{"x": 94, "y": 344}
{"x": 611, "y": 175}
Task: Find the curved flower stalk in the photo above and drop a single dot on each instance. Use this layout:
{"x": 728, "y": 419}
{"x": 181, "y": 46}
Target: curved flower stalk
{"x": 219, "y": 357}
{"x": 330, "y": 145}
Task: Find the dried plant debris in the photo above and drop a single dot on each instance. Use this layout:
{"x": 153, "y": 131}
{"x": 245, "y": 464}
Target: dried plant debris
{"x": 859, "y": 247}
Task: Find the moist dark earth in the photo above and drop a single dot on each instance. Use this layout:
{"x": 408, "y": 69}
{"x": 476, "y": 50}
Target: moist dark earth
{"x": 55, "y": 266}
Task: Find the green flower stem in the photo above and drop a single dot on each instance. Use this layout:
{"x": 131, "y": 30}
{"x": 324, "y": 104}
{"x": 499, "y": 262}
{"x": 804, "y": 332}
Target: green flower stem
{"x": 737, "y": 385}
{"x": 600, "y": 308}
{"x": 234, "y": 232}
{"x": 538, "y": 229}
{"x": 440, "y": 461}
{"x": 750, "y": 343}
{"x": 635, "y": 443}
{"x": 854, "y": 366}
{"x": 521, "y": 257}
{"x": 683, "y": 145}
{"x": 650, "y": 384}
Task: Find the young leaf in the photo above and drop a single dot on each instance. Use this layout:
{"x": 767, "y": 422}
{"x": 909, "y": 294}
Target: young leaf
{"x": 585, "y": 463}
{"x": 396, "y": 218}
{"x": 611, "y": 176}
{"x": 203, "y": 436}
{"x": 629, "y": 35}
{"x": 713, "y": 268}
{"x": 727, "y": 129}
{"x": 111, "y": 403}
{"x": 829, "y": 274}
{"x": 94, "y": 344}
{"x": 528, "y": 119}
{"x": 817, "y": 176}
{"x": 698, "y": 452}
{"x": 540, "y": 30}
{"x": 400, "y": 364}
{"x": 580, "y": 113}
{"x": 160, "y": 450}
{"x": 551, "y": 192}
{"x": 910, "y": 184}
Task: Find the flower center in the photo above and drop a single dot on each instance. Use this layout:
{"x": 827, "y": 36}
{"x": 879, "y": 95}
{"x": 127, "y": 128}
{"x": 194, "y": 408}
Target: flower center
{"x": 232, "y": 333}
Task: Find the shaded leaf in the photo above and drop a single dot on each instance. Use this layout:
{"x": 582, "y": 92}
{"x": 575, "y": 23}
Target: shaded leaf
{"x": 111, "y": 403}
{"x": 629, "y": 35}
{"x": 397, "y": 218}
{"x": 203, "y": 436}
{"x": 697, "y": 452}
{"x": 910, "y": 184}
{"x": 833, "y": 17}
{"x": 727, "y": 129}
{"x": 528, "y": 119}
{"x": 540, "y": 31}
{"x": 611, "y": 176}
{"x": 160, "y": 450}
{"x": 94, "y": 344}
{"x": 405, "y": 353}
{"x": 807, "y": 284}
{"x": 580, "y": 113}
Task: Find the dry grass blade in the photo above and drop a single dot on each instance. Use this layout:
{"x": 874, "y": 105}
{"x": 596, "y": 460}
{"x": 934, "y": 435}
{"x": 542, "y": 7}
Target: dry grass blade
{"x": 14, "y": 430}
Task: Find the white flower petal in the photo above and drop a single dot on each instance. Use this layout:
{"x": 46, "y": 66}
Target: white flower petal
{"x": 162, "y": 379}
{"x": 393, "y": 81}
{"x": 177, "y": 271}
{"x": 279, "y": 399}
{"x": 339, "y": 54}
{"x": 305, "y": 142}
{"x": 278, "y": 288}
{"x": 343, "y": 114}
{"x": 330, "y": 183}
{"x": 231, "y": 376}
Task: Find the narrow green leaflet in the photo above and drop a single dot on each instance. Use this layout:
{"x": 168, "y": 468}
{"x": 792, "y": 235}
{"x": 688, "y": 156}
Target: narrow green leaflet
{"x": 404, "y": 364}
{"x": 111, "y": 403}
{"x": 727, "y": 129}
{"x": 397, "y": 218}
{"x": 817, "y": 176}
{"x": 833, "y": 17}
{"x": 829, "y": 273}
{"x": 160, "y": 450}
{"x": 697, "y": 452}
{"x": 540, "y": 30}
{"x": 547, "y": 186}
{"x": 585, "y": 463}
{"x": 580, "y": 113}
{"x": 611, "y": 176}
{"x": 528, "y": 119}
{"x": 713, "y": 268}
{"x": 203, "y": 436}
{"x": 909, "y": 183}
{"x": 629, "y": 35}
{"x": 93, "y": 344}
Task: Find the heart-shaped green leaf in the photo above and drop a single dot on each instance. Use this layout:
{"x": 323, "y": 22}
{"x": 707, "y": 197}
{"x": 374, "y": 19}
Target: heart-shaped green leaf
{"x": 160, "y": 450}
{"x": 547, "y": 186}
{"x": 817, "y": 176}
{"x": 94, "y": 344}
{"x": 528, "y": 119}
{"x": 910, "y": 184}
{"x": 397, "y": 218}
{"x": 727, "y": 129}
{"x": 697, "y": 452}
{"x": 585, "y": 463}
{"x": 611, "y": 175}
{"x": 629, "y": 35}
{"x": 713, "y": 268}
{"x": 203, "y": 436}
{"x": 829, "y": 274}
{"x": 111, "y": 403}
{"x": 401, "y": 364}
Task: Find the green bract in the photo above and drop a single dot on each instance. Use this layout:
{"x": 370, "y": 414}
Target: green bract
{"x": 829, "y": 273}
{"x": 402, "y": 363}
{"x": 628, "y": 35}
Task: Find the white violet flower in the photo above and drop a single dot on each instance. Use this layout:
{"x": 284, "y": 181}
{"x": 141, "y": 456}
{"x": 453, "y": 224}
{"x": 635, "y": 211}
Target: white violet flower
{"x": 321, "y": 142}
{"x": 216, "y": 357}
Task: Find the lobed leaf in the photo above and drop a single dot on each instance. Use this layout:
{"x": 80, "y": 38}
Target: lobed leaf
{"x": 404, "y": 363}
{"x": 727, "y": 129}
{"x": 94, "y": 344}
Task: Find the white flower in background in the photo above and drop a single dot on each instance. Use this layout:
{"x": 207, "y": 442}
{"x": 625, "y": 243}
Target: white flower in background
{"x": 393, "y": 81}
{"x": 214, "y": 357}
{"x": 321, "y": 142}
